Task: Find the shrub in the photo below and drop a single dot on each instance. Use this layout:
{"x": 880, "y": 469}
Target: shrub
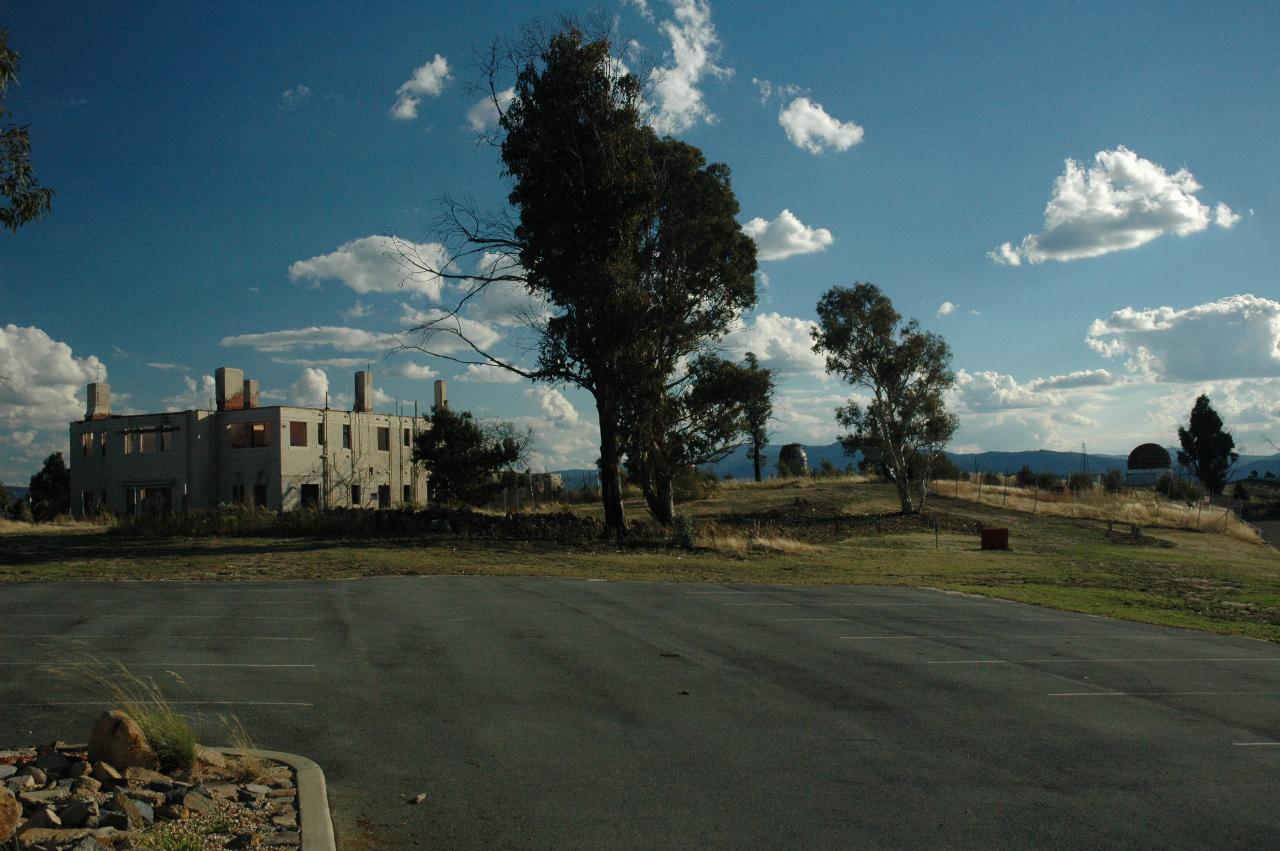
{"x": 1113, "y": 481}
{"x": 1080, "y": 482}
{"x": 1025, "y": 477}
{"x": 990, "y": 479}
{"x": 1047, "y": 481}
{"x": 1174, "y": 487}
{"x": 1240, "y": 492}
{"x": 694, "y": 483}
{"x": 683, "y": 533}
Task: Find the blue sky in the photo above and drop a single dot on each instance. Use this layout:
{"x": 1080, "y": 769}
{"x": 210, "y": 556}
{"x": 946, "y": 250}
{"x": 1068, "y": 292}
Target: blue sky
{"x": 226, "y": 173}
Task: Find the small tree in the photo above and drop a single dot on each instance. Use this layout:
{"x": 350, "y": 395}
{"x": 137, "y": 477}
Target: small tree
{"x": 1207, "y": 451}
{"x": 1025, "y": 477}
{"x": 906, "y": 370}
{"x": 21, "y": 512}
{"x": 27, "y": 199}
{"x": 1241, "y": 492}
{"x": 50, "y": 493}
{"x": 466, "y": 459}
{"x": 4, "y": 500}
{"x": 1113, "y": 481}
{"x": 757, "y": 392}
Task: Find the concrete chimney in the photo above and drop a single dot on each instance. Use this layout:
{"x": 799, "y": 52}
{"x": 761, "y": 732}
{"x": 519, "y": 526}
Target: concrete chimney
{"x": 364, "y": 392}
{"x": 442, "y": 394}
{"x": 251, "y": 393}
{"x": 98, "y": 401}
{"x": 230, "y": 388}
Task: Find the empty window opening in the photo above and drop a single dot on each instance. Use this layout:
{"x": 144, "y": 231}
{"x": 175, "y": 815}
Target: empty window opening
{"x": 346, "y": 437}
{"x": 237, "y": 494}
{"x": 297, "y": 434}
{"x": 384, "y": 439}
{"x": 355, "y": 494}
{"x": 260, "y": 496}
{"x": 408, "y": 493}
{"x": 406, "y": 437}
{"x": 248, "y": 435}
{"x": 384, "y": 496}
{"x": 86, "y": 444}
{"x": 310, "y": 496}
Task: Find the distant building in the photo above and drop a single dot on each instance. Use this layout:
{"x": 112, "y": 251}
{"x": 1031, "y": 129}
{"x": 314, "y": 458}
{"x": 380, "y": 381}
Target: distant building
{"x": 279, "y": 457}
{"x": 1147, "y": 464}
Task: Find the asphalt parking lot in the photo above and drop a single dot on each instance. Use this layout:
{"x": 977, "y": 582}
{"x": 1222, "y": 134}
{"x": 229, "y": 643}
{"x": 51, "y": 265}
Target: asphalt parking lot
{"x": 562, "y": 713}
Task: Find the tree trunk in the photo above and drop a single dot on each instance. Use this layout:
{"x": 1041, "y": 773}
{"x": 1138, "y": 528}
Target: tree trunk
{"x": 755, "y": 459}
{"x": 615, "y": 518}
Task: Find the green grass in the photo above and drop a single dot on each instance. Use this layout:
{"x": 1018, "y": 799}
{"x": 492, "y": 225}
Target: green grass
{"x": 1205, "y": 581}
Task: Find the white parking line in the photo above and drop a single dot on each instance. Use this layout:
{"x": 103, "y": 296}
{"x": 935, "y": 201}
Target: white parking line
{"x": 844, "y": 620}
{"x": 1060, "y": 661}
{"x": 168, "y": 703}
{"x": 166, "y": 637}
{"x": 1155, "y": 693}
{"x": 1077, "y": 637}
{"x": 156, "y": 665}
{"x": 759, "y": 604}
{"x": 45, "y": 616}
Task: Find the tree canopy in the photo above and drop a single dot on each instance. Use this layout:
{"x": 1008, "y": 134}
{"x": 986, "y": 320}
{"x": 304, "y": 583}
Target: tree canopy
{"x": 906, "y": 371}
{"x": 465, "y": 458}
{"x": 26, "y": 198}
{"x": 631, "y": 241}
{"x": 1207, "y": 450}
{"x": 757, "y": 391}
{"x": 50, "y": 493}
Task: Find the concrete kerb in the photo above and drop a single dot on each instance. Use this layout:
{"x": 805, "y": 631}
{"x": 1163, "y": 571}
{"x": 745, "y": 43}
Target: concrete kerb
{"x": 314, "y": 822}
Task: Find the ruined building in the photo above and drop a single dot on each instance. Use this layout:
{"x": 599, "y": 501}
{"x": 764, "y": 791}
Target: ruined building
{"x": 278, "y": 457}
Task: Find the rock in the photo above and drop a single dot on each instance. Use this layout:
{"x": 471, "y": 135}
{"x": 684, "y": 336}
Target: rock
{"x": 174, "y": 812}
{"x": 222, "y": 790}
{"x": 7, "y": 771}
{"x": 284, "y": 839}
{"x": 146, "y": 777}
{"x": 36, "y": 773}
{"x": 122, "y": 803}
{"x": 50, "y": 837}
{"x": 53, "y": 763}
{"x": 10, "y": 815}
{"x": 105, "y": 772}
{"x": 288, "y": 820}
{"x": 418, "y": 798}
{"x": 210, "y": 757}
{"x": 251, "y": 791}
{"x": 86, "y": 785}
{"x": 79, "y": 769}
{"x": 283, "y": 793}
{"x": 44, "y": 796}
{"x": 198, "y": 803}
{"x": 44, "y": 817}
{"x": 88, "y": 844}
{"x": 21, "y": 783}
{"x": 149, "y": 796}
{"x": 116, "y": 738}
{"x": 79, "y": 811}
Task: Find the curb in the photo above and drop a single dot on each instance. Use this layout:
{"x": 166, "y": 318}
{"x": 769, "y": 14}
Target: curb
{"x": 314, "y": 822}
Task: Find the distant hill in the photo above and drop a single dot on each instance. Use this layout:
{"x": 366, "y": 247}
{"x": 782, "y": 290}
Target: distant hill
{"x": 16, "y": 493}
{"x": 738, "y": 465}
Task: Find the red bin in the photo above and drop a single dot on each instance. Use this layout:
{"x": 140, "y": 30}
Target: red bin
{"x": 995, "y": 539}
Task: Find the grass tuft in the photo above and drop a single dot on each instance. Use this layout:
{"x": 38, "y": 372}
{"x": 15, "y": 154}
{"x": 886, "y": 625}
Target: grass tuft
{"x": 169, "y": 733}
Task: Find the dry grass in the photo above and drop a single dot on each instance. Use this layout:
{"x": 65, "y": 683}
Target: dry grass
{"x": 1138, "y": 508}
{"x": 60, "y": 526}
{"x": 248, "y": 767}
{"x": 712, "y": 537}
{"x": 169, "y": 733}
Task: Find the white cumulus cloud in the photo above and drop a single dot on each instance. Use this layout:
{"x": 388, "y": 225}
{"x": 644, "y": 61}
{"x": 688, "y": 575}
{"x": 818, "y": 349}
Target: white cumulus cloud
{"x": 694, "y": 49}
{"x": 409, "y": 369}
{"x": 808, "y": 126}
{"x": 785, "y": 236}
{"x": 334, "y": 336}
{"x": 946, "y": 308}
{"x": 310, "y": 389}
{"x": 1122, "y": 201}
{"x": 483, "y": 373}
{"x": 1234, "y": 337}
{"x": 294, "y": 97}
{"x": 484, "y": 113}
{"x": 427, "y": 81}
{"x": 41, "y": 381}
{"x": 376, "y": 264}
{"x": 782, "y": 343}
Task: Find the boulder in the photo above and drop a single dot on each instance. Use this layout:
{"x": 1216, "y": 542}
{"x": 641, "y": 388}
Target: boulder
{"x": 7, "y": 771}
{"x": 10, "y": 815}
{"x": 122, "y": 803}
{"x": 79, "y": 812}
{"x": 86, "y": 785}
{"x": 146, "y": 777}
{"x": 210, "y": 757}
{"x": 118, "y": 739}
{"x": 105, "y": 773}
{"x": 79, "y": 769}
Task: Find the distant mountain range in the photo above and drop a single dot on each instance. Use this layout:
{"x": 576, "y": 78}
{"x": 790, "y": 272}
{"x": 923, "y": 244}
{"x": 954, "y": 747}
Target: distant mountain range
{"x": 16, "y": 493}
{"x": 738, "y": 465}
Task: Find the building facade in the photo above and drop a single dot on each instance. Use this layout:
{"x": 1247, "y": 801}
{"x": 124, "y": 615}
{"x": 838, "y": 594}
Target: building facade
{"x": 277, "y": 457}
